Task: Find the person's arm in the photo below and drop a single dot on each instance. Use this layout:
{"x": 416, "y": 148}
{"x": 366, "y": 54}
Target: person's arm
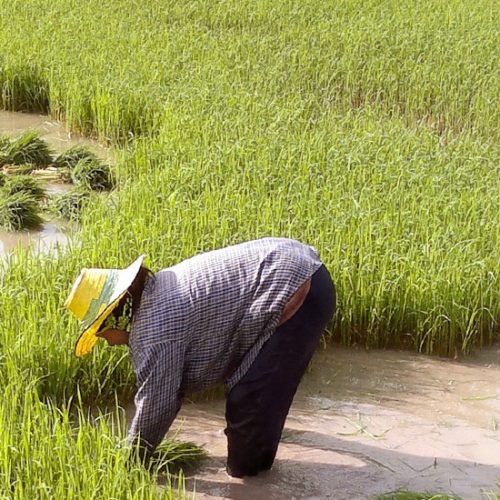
{"x": 159, "y": 376}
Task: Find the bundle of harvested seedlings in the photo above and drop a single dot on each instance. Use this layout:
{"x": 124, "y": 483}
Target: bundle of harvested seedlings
{"x": 69, "y": 205}
{"x": 28, "y": 148}
{"x": 93, "y": 175}
{"x": 19, "y": 211}
{"x": 22, "y": 169}
{"x": 173, "y": 455}
{"x": 4, "y": 143}
{"x": 70, "y": 158}
{"x": 53, "y": 174}
{"x": 24, "y": 184}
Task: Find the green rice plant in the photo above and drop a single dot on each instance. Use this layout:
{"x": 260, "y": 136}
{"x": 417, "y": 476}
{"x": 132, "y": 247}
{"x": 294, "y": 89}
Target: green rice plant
{"x": 173, "y": 455}
{"x": 19, "y": 211}
{"x": 412, "y": 495}
{"x": 4, "y": 144}
{"x": 93, "y": 175}
{"x": 70, "y": 158}
{"x": 88, "y": 458}
{"x": 24, "y": 184}
{"x": 70, "y": 205}
{"x": 3, "y": 179}
{"x": 491, "y": 495}
{"x": 367, "y": 129}
{"x": 28, "y": 148}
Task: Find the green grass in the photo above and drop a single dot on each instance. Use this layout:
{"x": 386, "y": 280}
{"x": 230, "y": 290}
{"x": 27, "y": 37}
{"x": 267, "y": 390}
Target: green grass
{"x": 412, "y": 495}
{"x": 367, "y": 129}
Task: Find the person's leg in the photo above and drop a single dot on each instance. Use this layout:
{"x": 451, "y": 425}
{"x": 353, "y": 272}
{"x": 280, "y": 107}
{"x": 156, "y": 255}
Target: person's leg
{"x": 258, "y": 404}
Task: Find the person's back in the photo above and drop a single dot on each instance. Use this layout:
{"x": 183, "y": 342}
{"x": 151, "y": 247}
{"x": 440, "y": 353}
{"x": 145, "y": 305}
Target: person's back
{"x": 217, "y": 305}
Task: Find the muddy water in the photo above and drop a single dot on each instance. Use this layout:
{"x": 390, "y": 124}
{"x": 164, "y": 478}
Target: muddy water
{"x": 48, "y": 238}
{"x": 55, "y": 133}
{"x": 51, "y": 234}
{"x": 365, "y": 423}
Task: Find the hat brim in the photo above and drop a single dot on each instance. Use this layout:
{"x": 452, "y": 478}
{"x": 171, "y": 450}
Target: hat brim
{"x": 88, "y": 338}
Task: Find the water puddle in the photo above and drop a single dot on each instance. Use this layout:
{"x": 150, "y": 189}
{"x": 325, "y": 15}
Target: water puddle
{"x": 51, "y": 234}
{"x": 55, "y": 133}
{"x": 49, "y": 237}
{"x": 366, "y": 423}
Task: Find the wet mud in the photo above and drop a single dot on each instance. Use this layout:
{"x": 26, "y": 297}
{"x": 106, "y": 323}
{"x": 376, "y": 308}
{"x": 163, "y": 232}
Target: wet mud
{"x": 367, "y": 423}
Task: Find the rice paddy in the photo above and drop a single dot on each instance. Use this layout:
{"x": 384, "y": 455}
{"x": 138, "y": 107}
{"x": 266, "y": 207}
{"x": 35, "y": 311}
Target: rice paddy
{"x": 367, "y": 129}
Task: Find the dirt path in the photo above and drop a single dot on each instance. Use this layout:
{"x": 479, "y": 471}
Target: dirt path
{"x": 368, "y": 423}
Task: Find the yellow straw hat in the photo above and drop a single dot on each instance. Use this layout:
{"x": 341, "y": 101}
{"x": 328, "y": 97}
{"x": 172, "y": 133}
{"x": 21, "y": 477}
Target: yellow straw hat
{"x": 95, "y": 293}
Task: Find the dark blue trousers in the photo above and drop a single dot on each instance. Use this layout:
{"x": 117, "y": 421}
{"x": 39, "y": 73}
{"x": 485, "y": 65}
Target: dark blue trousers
{"x": 257, "y": 406}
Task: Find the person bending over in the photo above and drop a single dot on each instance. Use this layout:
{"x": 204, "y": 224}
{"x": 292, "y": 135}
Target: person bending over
{"x": 249, "y": 315}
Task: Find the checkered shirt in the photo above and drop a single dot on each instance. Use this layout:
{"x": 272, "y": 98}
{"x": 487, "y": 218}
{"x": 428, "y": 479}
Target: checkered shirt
{"x": 204, "y": 320}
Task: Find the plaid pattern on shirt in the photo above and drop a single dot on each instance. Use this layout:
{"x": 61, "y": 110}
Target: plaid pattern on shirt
{"x": 204, "y": 321}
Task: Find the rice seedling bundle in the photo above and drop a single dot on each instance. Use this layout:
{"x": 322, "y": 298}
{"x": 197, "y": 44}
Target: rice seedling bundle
{"x": 174, "y": 454}
{"x": 19, "y": 211}
{"x": 24, "y": 184}
{"x": 29, "y": 148}
{"x": 22, "y": 169}
{"x": 70, "y": 205}
{"x": 51, "y": 174}
{"x": 92, "y": 175}
{"x": 70, "y": 158}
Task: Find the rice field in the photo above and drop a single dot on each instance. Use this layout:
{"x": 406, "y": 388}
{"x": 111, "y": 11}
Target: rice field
{"x": 367, "y": 129}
